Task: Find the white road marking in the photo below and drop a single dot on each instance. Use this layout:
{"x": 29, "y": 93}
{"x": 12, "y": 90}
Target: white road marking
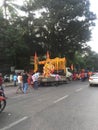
{"x": 60, "y": 99}
{"x": 78, "y": 90}
{"x": 14, "y": 123}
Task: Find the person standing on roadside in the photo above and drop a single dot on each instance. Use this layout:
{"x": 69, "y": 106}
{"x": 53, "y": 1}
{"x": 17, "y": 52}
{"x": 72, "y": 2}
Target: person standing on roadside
{"x": 82, "y": 76}
{"x": 30, "y": 80}
{"x": 25, "y": 82}
{"x": 15, "y": 79}
{"x": 57, "y": 78}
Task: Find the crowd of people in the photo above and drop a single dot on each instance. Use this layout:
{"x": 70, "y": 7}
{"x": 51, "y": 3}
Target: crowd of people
{"x": 82, "y": 75}
{"x": 23, "y": 81}
{"x": 26, "y": 80}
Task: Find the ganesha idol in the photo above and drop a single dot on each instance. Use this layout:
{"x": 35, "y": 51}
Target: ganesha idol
{"x": 48, "y": 69}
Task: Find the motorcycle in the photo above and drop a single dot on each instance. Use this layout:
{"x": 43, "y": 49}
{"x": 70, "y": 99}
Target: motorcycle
{"x": 2, "y": 100}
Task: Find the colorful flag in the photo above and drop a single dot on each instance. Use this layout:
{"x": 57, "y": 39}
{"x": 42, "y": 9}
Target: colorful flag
{"x": 35, "y": 62}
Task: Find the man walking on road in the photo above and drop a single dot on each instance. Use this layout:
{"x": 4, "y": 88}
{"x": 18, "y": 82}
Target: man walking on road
{"x": 20, "y": 83}
{"x": 25, "y": 82}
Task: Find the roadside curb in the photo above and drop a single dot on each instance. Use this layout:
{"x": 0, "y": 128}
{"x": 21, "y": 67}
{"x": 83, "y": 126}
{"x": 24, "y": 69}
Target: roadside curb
{"x": 7, "y": 84}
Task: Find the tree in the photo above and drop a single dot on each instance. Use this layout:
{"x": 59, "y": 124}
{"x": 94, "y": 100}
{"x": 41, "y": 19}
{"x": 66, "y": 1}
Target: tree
{"x": 63, "y": 28}
{"x": 91, "y": 60}
{"x": 65, "y": 25}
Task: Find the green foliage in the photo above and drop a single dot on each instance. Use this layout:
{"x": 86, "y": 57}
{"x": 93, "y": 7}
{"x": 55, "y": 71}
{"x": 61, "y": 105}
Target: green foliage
{"x": 65, "y": 25}
{"x": 63, "y": 28}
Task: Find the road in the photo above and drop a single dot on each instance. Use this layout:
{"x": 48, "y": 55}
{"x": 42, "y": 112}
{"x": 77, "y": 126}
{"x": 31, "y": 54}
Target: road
{"x": 71, "y": 106}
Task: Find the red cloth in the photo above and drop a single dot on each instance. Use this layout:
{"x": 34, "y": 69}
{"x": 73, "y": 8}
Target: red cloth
{"x": 82, "y": 75}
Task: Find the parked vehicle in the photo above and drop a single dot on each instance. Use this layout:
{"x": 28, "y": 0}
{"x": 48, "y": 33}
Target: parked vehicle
{"x": 93, "y": 80}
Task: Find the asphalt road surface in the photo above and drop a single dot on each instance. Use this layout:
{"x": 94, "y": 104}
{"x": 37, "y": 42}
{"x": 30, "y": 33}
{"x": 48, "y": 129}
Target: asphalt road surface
{"x": 72, "y": 106}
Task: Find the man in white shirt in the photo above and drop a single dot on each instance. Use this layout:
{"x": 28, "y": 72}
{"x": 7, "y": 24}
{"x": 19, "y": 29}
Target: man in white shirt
{"x": 35, "y": 77}
{"x": 20, "y": 83}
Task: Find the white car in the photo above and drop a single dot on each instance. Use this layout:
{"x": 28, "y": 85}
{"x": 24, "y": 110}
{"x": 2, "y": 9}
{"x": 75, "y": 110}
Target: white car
{"x": 93, "y": 80}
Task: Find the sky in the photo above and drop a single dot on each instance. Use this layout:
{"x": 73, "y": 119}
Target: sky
{"x": 94, "y": 39}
